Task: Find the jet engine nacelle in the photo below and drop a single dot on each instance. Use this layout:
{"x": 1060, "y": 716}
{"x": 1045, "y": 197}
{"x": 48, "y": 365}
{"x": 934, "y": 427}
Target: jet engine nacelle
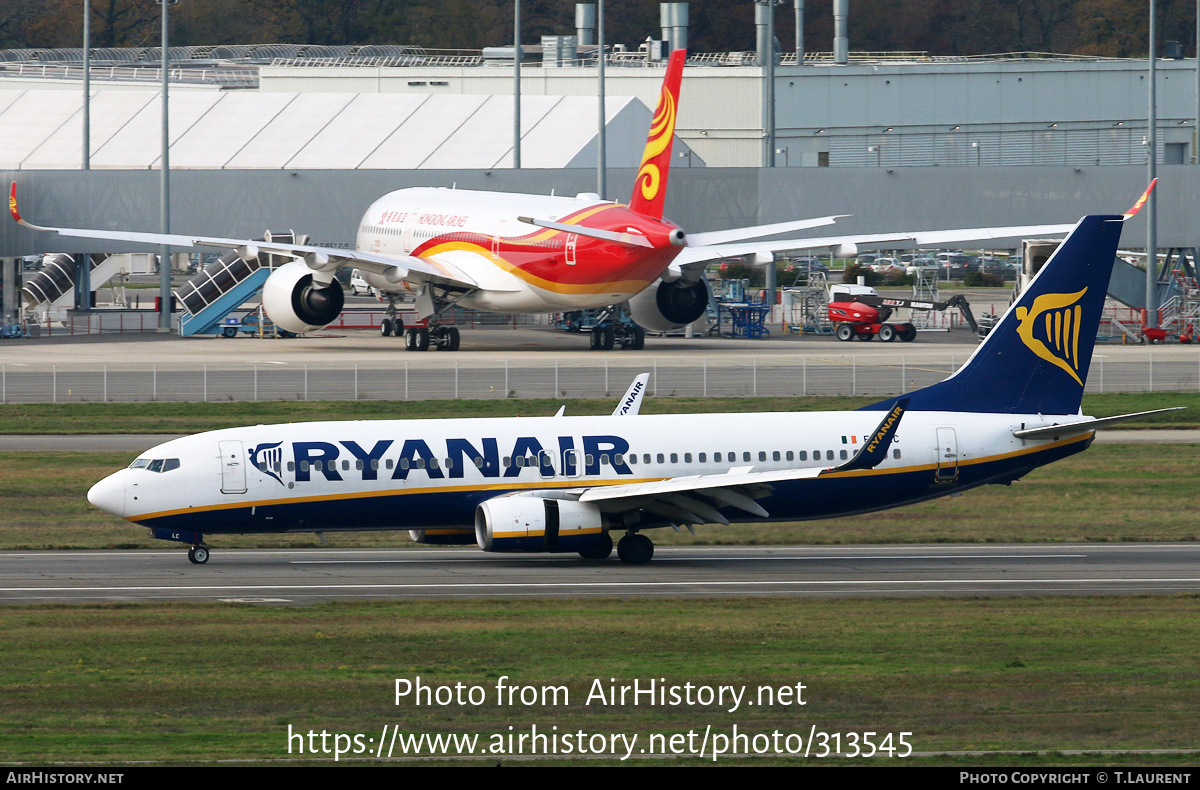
{"x": 528, "y": 523}
{"x": 665, "y": 306}
{"x": 298, "y": 304}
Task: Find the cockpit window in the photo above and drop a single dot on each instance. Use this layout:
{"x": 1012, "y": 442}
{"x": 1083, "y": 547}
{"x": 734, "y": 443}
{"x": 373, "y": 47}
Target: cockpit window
{"x": 155, "y": 465}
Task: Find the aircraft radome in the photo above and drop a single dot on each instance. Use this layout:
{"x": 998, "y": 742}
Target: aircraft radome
{"x": 511, "y": 253}
{"x": 565, "y": 484}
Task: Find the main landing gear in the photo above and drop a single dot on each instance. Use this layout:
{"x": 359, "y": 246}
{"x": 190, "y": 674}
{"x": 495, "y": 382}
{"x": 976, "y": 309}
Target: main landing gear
{"x": 423, "y": 338}
{"x": 607, "y": 337}
{"x": 635, "y": 549}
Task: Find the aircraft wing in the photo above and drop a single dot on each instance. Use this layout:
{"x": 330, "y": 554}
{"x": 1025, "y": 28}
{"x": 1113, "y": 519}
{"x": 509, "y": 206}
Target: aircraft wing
{"x": 700, "y": 255}
{"x": 323, "y": 259}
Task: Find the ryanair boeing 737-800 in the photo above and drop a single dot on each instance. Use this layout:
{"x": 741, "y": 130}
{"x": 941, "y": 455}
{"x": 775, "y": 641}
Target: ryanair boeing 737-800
{"x": 565, "y": 484}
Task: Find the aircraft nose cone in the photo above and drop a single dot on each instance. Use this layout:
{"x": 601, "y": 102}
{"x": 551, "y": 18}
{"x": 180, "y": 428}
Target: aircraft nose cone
{"x": 109, "y": 495}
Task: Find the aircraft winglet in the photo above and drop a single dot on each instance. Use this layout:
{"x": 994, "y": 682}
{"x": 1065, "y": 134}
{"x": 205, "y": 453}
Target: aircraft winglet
{"x": 875, "y": 449}
{"x": 12, "y": 204}
{"x": 631, "y": 401}
{"x": 1136, "y": 207}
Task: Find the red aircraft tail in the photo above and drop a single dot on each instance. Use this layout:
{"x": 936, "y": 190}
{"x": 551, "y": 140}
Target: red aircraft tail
{"x": 650, "y": 187}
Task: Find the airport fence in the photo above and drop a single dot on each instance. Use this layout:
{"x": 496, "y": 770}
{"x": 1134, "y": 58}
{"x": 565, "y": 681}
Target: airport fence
{"x": 445, "y": 376}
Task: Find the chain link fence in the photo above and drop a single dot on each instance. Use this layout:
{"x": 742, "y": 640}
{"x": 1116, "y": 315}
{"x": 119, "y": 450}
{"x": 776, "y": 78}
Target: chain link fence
{"x": 574, "y": 377}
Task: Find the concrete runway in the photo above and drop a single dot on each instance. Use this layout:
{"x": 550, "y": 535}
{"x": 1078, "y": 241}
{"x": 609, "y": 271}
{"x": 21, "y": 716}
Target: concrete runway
{"x": 297, "y": 577}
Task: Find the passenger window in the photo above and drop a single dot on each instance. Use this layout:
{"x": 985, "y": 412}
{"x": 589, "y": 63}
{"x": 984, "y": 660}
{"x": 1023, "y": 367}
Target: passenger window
{"x": 702, "y": 458}
{"x": 304, "y": 466}
{"x": 632, "y": 459}
{"x": 687, "y": 458}
{"x": 804, "y": 455}
{"x": 507, "y": 462}
{"x": 789, "y": 455}
{"x": 645, "y": 458}
{"x": 478, "y": 462}
{"x": 389, "y": 464}
{"x": 775, "y": 456}
{"x": 292, "y": 466}
{"x": 745, "y": 456}
{"x": 346, "y": 466}
{"x": 375, "y": 463}
{"x": 170, "y": 463}
{"x": 520, "y": 458}
{"x": 587, "y": 460}
{"x": 449, "y": 463}
{"x": 829, "y": 455}
{"x": 662, "y": 458}
{"x": 843, "y": 455}
{"x": 895, "y": 453}
{"x": 420, "y": 463}
{"x": 604, "y": 459}
{"x": 762, "y": 456}
{"x": 618, "y": 460}
{"x": 358, "y": 464}
{"x": 674, "y": 458}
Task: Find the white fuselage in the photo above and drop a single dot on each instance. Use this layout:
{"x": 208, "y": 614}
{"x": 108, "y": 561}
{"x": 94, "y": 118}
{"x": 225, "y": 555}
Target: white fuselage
{"x": 428, "y": 473}
{"x": 478, "y": 233}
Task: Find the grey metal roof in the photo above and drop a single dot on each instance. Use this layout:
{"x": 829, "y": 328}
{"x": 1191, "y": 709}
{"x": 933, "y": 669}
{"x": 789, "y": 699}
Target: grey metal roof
{"x": 41, "y": 129}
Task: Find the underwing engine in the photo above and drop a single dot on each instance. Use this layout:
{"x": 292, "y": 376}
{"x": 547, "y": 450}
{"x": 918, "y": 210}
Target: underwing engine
{"x": 295, "y": 301}
{"x": 665, "y": 306}
{"x": 534, "y": 524}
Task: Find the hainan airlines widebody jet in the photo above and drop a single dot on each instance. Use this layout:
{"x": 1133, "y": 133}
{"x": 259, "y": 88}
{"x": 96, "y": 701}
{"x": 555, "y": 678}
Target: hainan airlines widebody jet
{"x": 513, "y": 253}
{"x": 565, "y": 484}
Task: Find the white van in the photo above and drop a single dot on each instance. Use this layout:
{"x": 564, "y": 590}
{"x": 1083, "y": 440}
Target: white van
{"x": 358, "y": 284}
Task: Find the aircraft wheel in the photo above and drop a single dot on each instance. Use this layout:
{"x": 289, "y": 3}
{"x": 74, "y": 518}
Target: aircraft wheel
{"x": 420, "y": 339}
{"x": 845, "y": 332}
{"x": 453, "y": 339}
{"x": 385, "y": 328}
{"x": 410, "y": 339}
{"x": 635, "y": 549}
{"x": 908, "y": 333}
{"x": 887, "y": 333}
{"x": 607, "y": 338}
{"x": 198, "y": 555}
{"x": 601, "y": 551}
{"x": 594, "y": 339}
{"x": 639, "y": 339}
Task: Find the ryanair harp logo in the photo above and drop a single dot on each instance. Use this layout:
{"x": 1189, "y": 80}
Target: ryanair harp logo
{"x": 1050, "y": 329}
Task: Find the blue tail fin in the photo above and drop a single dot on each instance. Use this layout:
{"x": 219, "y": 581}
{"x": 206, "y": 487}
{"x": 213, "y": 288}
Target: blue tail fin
{"x": 1036, "y": 359}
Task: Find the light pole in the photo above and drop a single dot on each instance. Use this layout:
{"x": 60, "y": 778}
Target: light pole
{"x": 164, "y": 198}
{"x": 517, "y": 84}
{"x": 1152, "y": 161}
{"x": 601, "y": 139}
